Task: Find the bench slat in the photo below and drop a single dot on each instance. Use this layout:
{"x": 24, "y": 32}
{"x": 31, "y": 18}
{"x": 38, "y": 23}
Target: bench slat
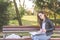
{"x": 19, "y": 29}
{"x": 30, "y": 39}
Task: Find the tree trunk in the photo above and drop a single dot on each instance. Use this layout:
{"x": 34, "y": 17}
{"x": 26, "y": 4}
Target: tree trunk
{"x": 55, "y": 18}
{"x": 55, "y": 11}
{"x": 17, "y": 13}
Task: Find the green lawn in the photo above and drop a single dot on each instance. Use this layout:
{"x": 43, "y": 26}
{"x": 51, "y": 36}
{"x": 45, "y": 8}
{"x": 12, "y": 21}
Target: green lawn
{"x": 26, "y": 20}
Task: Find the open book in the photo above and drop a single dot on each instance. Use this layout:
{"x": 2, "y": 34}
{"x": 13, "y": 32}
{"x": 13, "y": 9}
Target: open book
{"x": 35, "y": 33}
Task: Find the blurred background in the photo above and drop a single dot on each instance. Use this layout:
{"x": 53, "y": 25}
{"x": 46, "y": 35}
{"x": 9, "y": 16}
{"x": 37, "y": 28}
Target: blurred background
{"x": 24, "y": 12}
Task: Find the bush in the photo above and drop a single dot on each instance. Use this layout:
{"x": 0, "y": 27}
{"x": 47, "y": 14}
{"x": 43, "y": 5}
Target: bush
{"x": 3, "y": 14}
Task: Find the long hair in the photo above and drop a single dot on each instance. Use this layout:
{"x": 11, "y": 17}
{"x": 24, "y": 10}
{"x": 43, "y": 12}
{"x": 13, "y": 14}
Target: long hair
{"x": 39, "y": 19}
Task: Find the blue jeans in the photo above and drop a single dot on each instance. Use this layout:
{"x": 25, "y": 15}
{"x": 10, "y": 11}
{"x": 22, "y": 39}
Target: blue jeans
{"x": 40, "y": 37}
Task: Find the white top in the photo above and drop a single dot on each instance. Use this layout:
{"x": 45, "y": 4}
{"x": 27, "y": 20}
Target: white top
{"x": 43, "y": 25}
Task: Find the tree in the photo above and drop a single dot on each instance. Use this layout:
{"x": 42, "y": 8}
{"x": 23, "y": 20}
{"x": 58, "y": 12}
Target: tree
{"x": 17, "y": 13}
{"x": 54, "y": 6}
{"x": 4, "y": 20}
{"x": 11, "y": 11}
{"x": 50, "y": 4}
{"x": 22, "y": 9}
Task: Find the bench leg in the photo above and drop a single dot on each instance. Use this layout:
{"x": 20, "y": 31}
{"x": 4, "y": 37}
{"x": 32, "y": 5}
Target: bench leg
{"x": 4, "y": 35}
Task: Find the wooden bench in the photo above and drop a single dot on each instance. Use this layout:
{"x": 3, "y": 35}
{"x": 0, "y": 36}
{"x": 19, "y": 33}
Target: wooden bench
{"x": 18, "y": 29}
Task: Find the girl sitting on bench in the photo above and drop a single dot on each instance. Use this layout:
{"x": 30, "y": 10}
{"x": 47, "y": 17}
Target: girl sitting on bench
{"x": 46, "y": 27}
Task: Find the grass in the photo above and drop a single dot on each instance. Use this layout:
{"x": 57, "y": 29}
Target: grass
{"x": 13, "y": 22}
{"x": 26, "y": 20}
{"x": 29, "y": 20}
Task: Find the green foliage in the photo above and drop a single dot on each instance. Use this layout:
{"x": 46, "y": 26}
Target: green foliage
{"x": 21, "y": 11}
{"x": 39, "y": 3}
{"x": 11, "y": 11}
{"x": 58, "y": 11}
{"x": 50, "y": 4}
{"x": 3, "y": 14}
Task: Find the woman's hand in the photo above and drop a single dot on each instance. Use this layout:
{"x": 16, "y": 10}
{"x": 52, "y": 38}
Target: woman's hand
{"x": 40, "y": 31}
{"x": 43, "y": 30}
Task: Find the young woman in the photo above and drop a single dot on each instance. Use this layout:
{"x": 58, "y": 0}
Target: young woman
{"x": 46, "y": 27}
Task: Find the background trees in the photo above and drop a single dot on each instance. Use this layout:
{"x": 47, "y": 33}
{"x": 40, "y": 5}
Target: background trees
{"x": 52, "y": 5}
{"x": 4, "y": 20}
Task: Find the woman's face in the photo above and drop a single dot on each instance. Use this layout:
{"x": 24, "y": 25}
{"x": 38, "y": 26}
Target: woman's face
{"x": 41, "y": 15}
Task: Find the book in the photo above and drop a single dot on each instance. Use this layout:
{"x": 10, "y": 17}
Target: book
{"x": 37, "y": 32}
{"x": 34, "y": 33}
